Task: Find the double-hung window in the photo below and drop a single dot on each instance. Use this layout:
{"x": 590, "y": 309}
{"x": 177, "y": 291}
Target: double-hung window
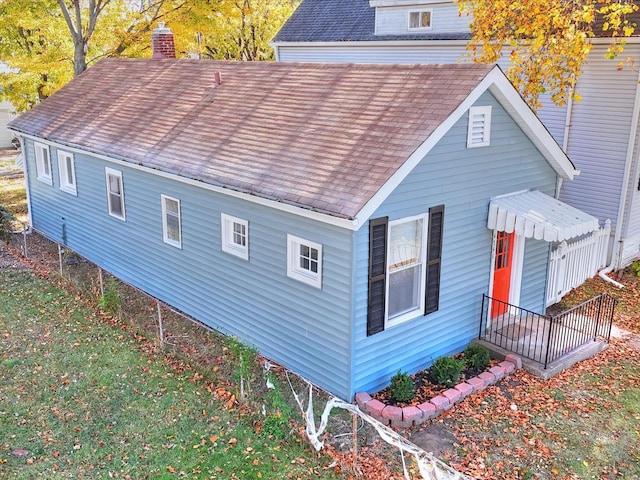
{"x": 404, "y": 268}
{"x": 115, "y": 193}
{"x": 67, "y": 172}
{"x": 420, "y": 19}
{"x": 43, "y": 163}
{"x": 171, "y": 228}
{"x": 304, "y": 260}
{"x": 406, "y": 258}
{"x": 235, "y": 236}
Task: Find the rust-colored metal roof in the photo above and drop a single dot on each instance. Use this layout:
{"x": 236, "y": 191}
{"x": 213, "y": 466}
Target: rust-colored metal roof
{"x": 321, "y": 136}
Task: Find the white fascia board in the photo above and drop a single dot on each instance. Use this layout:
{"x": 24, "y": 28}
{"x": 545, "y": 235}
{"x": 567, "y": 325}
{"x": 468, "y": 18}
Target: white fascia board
{"x": 372, "y": 43}
{"x": 374, "y": 203}
{"x": 527, "y": 120}
{"x": 510, "y": 99}
{"x": 252, "y": 198}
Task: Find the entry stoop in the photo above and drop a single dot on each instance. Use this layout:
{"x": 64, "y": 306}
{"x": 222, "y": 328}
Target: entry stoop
{"x": 565, "y": 362}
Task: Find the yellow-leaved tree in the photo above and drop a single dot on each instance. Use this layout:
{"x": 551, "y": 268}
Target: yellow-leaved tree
{"x": 45, "y": 43}
{"x": 547, "y": 41}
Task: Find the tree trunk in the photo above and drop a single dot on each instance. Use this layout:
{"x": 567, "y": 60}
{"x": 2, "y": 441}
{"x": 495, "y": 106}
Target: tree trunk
{"x": 79, "y": 57}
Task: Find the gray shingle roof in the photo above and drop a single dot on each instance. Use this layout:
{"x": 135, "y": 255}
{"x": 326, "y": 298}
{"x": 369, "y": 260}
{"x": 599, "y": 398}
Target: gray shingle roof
{"x": 343, "y": 21}
{"x": 325, "y": 137}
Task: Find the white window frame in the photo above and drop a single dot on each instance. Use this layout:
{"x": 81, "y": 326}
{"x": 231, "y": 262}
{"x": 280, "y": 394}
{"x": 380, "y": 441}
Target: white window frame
{"x": 118, "y": 174}
{"x": 295, "y": 270}
{"x": 165, "y": 226}
{"x": 476, "y": 114}
{"x": 229, "y": 236}
{"x": 67, "y": 172}
{"x": 419, "y": 310}
{"x": 43, "y": 163}
{"x": 420, "y": 12}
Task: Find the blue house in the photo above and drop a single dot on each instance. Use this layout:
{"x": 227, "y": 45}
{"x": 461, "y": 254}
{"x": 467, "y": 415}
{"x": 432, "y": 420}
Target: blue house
{"x": 343, "y": 225}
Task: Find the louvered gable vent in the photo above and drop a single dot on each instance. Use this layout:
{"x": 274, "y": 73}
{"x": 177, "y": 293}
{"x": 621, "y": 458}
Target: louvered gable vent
{"x": 479, "y": 134}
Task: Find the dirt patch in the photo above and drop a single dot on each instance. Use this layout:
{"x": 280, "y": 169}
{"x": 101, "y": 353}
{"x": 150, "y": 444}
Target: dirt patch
{"x": 436, "y": 439}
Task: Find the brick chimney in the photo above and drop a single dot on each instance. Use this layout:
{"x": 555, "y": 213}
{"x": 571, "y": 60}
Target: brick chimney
{"x": 162, "y": 42}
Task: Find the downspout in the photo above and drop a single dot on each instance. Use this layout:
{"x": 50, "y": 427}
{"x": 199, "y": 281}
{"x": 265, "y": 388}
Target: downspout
{"x": 565, "y": 138}
{"x": 615, "y": 254}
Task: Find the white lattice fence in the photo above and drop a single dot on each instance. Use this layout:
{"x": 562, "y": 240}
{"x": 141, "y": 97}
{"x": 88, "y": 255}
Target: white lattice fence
{"x": 572, "y": 263}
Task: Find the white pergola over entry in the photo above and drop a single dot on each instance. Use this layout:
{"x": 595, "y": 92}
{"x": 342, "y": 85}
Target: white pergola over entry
{"x": 533, "y": 214}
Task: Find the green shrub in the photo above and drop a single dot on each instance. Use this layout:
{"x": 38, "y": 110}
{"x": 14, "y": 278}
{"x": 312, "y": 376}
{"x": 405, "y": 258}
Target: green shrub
{"x": 111, "y": 300}
{"x": 477, "y": 356}
{"x": 446, "y": 371}
{"x": 402, "y": 387}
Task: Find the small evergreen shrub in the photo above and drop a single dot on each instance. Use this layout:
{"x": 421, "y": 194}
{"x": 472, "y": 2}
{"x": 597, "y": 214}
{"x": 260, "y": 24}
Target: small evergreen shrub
{"x": 477, "y": 356}
{"x": 446, "y": 371}
{"x": 402, "y": 387}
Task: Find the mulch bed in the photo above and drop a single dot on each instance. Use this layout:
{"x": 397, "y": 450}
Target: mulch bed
{"x": 425, "y": 389}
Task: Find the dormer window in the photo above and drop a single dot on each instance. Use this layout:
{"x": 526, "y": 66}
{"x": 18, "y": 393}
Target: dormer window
{"x": 420, "y": 19}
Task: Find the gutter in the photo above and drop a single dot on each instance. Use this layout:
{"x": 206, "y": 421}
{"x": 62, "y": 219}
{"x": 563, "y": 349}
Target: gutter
{"x": 617, "y": 245}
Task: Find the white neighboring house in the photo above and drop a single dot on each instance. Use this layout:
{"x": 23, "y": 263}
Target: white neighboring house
{"x": 600, "y": 133}
{"x": 6, "y": 115}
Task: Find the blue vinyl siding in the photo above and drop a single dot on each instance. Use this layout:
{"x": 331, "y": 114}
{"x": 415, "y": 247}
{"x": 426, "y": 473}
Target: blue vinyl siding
{"x": 299, "y": 326}
{"x": 320, "y": 334}
{"x": 463, "y": 180}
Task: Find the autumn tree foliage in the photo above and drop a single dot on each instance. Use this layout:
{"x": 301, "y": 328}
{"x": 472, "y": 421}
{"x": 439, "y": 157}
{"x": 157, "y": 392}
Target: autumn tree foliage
{"x": 45, "y": 43}
{"x": 547, "y": 41}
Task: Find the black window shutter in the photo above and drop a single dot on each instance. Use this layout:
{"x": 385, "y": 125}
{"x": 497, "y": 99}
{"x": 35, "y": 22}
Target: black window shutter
{"x": 377, "y": 275}
{"x": 434, "y": 255}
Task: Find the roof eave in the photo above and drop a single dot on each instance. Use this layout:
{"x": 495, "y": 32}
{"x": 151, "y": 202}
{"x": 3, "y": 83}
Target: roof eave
{"x": 527, "y": 120}
{"x": 498, "y": 84}
{"x": 336, "y": 219}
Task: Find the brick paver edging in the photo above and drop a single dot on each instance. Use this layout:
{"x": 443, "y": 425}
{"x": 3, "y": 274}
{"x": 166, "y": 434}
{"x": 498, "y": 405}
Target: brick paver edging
{"x": 416, "y": 415}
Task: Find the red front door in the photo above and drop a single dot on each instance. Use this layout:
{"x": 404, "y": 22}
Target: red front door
{"x": 502, "y": 273}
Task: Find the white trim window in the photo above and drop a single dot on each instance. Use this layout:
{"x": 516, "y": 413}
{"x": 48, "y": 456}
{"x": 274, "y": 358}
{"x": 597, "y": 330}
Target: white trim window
{"x": 420, "y": 19}
{"x": 479, "y": 132}
{"x": 171, "y": 224}
{"x": 43, "y": 163}
{"x": 115, "y": 193}
{"x": 304, "y": 261}
{"x": 406, "y": 254}
{"x": 67, "y": 171}
{"x": 235, "y": 236}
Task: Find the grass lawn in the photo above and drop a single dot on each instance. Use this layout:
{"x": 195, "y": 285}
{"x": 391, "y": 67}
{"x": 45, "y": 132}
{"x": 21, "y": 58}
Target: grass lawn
{"x": 87, "y": 400}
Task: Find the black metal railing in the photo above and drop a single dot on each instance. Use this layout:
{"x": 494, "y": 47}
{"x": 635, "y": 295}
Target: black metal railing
{"x": 544, "y": 338}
